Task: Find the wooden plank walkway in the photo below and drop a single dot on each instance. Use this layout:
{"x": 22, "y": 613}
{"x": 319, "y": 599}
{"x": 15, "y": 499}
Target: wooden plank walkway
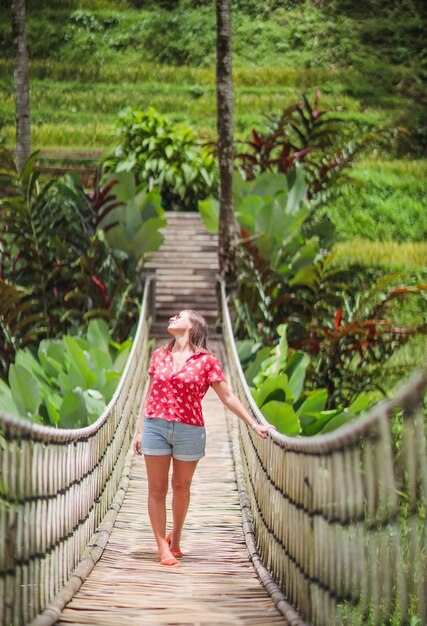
{"x": 185, "y": 266}
{"x": 216, "y": 584}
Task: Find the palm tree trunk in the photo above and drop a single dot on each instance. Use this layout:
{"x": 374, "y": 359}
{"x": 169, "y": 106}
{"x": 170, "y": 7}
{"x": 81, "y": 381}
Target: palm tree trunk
{"x": 22, "y": 83}
{"x": 227, "y": 234}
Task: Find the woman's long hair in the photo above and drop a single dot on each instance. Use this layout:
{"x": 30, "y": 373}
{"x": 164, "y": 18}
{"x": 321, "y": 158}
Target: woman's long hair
{"x": 198, "y": 332}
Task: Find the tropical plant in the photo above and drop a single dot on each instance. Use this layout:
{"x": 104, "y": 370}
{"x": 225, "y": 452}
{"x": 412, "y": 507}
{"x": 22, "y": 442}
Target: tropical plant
{"x": 278, "y": 385}
{"x": 61, "y": 253}
{"x": 275, "y": 257}
{"x": 323, "y": 144}
{"x": 46, "y": 232}
{"x": 161, "y": 153}
{"x": 346, "y": 318}
{"x": 334, "y": 312}
{"x": 305, "y": 287}
{"x": 352, "y": 344}
{"x": 68, "y": 382}
{"x": 21, "y": 322}
{"x": 270, "y": 207}
{"x": 133, "y": 225}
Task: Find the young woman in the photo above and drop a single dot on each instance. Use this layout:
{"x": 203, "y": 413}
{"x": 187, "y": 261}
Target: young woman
{"x": 172, "y": 424}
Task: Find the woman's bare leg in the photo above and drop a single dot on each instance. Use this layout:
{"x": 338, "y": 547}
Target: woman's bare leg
{"x": 158, "y": 478}
{"x": 182, "y": 476}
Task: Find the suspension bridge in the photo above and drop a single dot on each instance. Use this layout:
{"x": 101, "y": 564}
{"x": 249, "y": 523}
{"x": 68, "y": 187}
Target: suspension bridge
{"x": 327, "y": 530}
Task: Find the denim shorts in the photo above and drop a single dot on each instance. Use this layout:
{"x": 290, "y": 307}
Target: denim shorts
{"x": 162, "y": 437}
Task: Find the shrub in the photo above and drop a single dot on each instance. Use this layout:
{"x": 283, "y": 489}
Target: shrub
{"x": 57, "y": 266}
{"x": 322, "y": 143}
{"x": 68, "y": 382}
{"x": 279, "y": 388}
{"x": 343, "y": 316}
{"x": 186, "y": 37}
{"x": 353, "y": 345}
{"x": 159, "y": 152}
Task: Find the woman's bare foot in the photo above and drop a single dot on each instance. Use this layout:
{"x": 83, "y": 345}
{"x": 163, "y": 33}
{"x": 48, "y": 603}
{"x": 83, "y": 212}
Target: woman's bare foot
{"x": 169, "y": 562}
{"x": 165, "y": 556}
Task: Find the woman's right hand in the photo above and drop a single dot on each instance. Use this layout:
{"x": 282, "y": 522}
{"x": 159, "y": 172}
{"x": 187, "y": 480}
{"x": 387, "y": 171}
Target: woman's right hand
{"x": 137, "y": 444}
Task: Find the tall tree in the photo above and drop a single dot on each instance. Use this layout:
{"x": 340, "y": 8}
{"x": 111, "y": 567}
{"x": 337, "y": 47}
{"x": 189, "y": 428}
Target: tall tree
{"x": 22, "y": 83}
{"x": 224, "y": 88}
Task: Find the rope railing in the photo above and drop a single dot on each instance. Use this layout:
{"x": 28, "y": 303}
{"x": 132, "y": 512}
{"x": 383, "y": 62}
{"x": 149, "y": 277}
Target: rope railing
{"x": 340, "y": 519}
{"x": 56, "y": 487}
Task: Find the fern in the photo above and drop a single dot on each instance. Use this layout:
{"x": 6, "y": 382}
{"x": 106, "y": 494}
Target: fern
{"x": 21, "y": 322}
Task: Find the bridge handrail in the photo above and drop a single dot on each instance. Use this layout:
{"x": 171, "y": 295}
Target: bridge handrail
{"x": 57, "y": 485}
{"x": 327, "y": 510}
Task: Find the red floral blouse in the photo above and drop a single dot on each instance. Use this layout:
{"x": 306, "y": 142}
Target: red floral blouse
{"x": 177, "y": 396}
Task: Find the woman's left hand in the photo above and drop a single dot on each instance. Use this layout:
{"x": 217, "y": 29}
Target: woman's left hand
{"x": 262, "y": 430}
{"x": 232, "y": 402}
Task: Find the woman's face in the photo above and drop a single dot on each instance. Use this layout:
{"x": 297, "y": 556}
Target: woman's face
{"x": 179, "y": 323}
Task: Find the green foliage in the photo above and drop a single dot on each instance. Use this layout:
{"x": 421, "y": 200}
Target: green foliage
{"x": 347, "y": 318}
{"x": 321, "y": 142}
{"x": 353, "y": 347}
{"x": 159, "y": 152}
{"x": 57, "y": 267}
{"x": 277, "y": 261}
{"x": 21, "y": 321}
{"x": 270, "y": 210}
{"x": 193, "y": 40}
{"x": 133, "y": 227}
{"x": 209, "y": 212}
{"x": 47, "y": 231}
{"x": 68, "y": 382}
{"x": 280, "y": 390}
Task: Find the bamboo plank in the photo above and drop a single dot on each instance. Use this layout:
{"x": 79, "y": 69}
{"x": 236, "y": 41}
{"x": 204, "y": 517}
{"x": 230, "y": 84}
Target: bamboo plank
{"x": 216, "y": 583}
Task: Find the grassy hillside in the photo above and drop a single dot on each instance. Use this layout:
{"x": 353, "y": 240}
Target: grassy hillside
{"x": 90, "y": 59}
{"x": 388, "y": 197}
